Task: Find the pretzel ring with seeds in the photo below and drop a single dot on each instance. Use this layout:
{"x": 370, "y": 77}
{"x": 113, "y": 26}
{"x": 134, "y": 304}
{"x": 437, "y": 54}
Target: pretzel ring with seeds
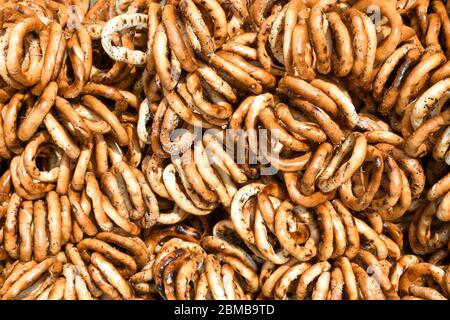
{"x": 128, "y": 263}
{"x": 267, "y": 117}
{"x": 118, "y": 68}
{"x": 15, "y": 51}
{"x": 294, "y": 87}
{"x": 343, "y": 102}
{"x": 151, "y": 214}
{"x": 81, "y": 216}
{"x": 315, "y": 271}
{"x": 309, "y": 130}
{"x": 439, "y": 8}
{"x": 4, "y": 41}
{"x": 415, "y": 273}
{"x": 386, "y": 9}
{"x": 373, "y": 238}
{"x": 31, "y": 123}
{"x": 303, "y": 252}
{"x": 92, "y": 120}
{"x": 237, "y": 206}
{"x": 440, "y": 188}
{"x": 60, "y": 137}
{"x": 403, "y": 203}
{"x": 182, "y": 111}
{"x": 263, "y": 35}
{"x": 4, "y": 151}
{"x": 395, "y": 186}
{"x": 262, "y": 241}
{"x": 195, "y": 179}
{"x": 248, "y": 275}
{"x": 416, "y": 246}
{"x": 109, "y": 271}
{"x": 187, "y": 273}
{"x": 120, "y": 23}
{"x": 216, "y": 82}
{"x": 369, "y": 287}
{"x": 10, "y": 114}
{"x": 410, "y": 53}
{"x": 318, "y": 37}
{"x": 114, "y": 188}
{"x": 174, "y": 142}
{"x": 415, "y": 145}
{"x": 153, "y": 169}
{"x": 373, "y": 263}
{"x": 133, "y": 189}
{"x": 170, "y": 27}
{"x": 144, "y": 117}
{"x": 286, "y": 280}
{"x": 267, "y": 80}
{"x": 242, "y": 78}
{"x": 104, "y": 113}
{"x": 157, "y": 235}
{"x": 25, "y": 219}
{"x": 17, "y": 183}
{"x": 240, "y": 44}
{"x": 342, "y": 57}
{"x": 302, "y": 53}
{"x": 357, "y": 29}
{"x": 215, "y": 243}
{"x": 424, "y": 234}
{"x": 209, "y": 175}
{"x": 103, "y": 283}
{"x": 171, "y": 251}
{"x": 328, "y": 126}
{"x": 331, "y": 178}
{"x": 325, "y": 247}
{"x": 10, "y": 236}
{"x": 270, "y": 274}
{"x": 183, "y": 104}
{"x": 50, "y": 63}
{"x": 198, "y": 29}
{"x": 346, "y": 190}
{"x": 177, "y": 194}
{"x": 94, "y": 193}
{"x": 313, "y": 199}
{"x": 48, "y": 269}
{"x": 75, "y": 258}
{"x": 66, "y": 111}
{"x": 40, "y": 237}
{"x": 222, "y": 111}
{"x": 295, "y": 10}
{"x": 415, "y": 81}
{"x": 409, "y": 165}
{"x": 78, "y": 179}
{"x": 285, "y": 164}
{"x": 109, "y": 92}
{"x": 30, "y": 154}
{"x": 133, "y": 245}
{"x": 76, "y": 57}
{"x": 429, "y": 100}
{"x": 441, "y": 148}
{"x": 366, "y": 77}
{"x": 196, "y": 199}
{"x": 215, "y": 142}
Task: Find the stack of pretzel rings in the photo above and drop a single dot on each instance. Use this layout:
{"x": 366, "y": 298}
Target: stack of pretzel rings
{"x": 225, "y": 149}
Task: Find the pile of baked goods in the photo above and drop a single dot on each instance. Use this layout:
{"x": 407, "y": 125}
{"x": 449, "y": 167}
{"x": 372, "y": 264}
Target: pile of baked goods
{"x": 224, "y": 149}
